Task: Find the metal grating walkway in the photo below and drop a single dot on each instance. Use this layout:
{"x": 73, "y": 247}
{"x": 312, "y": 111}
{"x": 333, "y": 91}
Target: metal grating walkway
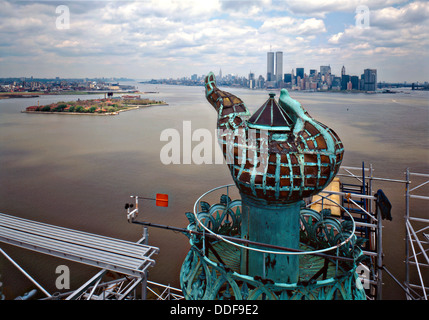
{"x": 103, "y": 252}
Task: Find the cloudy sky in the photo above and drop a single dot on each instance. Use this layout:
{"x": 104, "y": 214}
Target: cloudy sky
{"x": 146, "y": 39}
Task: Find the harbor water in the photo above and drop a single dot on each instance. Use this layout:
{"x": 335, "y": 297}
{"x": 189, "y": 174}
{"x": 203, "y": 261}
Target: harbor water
{"x": 78, "y": 171}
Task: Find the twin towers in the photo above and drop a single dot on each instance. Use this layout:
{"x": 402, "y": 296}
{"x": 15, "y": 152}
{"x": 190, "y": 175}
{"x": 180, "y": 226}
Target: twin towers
{"x": 278, "y": 67}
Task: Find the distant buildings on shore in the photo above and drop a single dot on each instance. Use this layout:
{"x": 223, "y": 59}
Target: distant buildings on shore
{"x": 58, "y": 85}
{"x": 275, "y": 78}
{"x": 312, "y": 80}
{"x": 298, "y": 79}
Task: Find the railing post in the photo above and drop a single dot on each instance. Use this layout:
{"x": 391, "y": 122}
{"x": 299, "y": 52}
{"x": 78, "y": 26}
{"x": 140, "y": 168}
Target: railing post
{"x": 371, "y": 172}
{"x": 363, "y": 185}
{"x": 379, "y": 255}
{"x": 407, "y": 236}
{"x": 144, "y": 281}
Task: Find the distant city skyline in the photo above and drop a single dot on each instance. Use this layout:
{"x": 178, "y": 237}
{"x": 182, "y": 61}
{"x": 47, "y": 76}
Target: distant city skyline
{"x": 170, "y": 39}
{"x": 298, "y": 79}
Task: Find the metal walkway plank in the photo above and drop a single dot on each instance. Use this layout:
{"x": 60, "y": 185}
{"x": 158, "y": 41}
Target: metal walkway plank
{"x": 113, "y": 254}
{"x": 73, "y": 236}
{"x": 48, "y": 245}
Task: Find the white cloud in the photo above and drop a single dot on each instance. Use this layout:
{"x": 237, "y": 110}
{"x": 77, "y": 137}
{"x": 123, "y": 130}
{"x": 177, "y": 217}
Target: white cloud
{"x": 321, "y": 8}
{"x": 67, "y": 43}
{"x": 394, "y": 18}
{"x": 396, "y": 42}
{"x": 335, "y": 39}
{"x": 175, "y": 38}
{"x": 390, "y": 27}
{"x": 293, "y": 26}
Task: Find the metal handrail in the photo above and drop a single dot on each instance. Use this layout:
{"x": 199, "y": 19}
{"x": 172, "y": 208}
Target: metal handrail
{"x": 298, "y": 252}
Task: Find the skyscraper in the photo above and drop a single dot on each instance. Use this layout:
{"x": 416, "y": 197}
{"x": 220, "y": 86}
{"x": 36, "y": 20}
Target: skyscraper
{"x": 270, "y": 66}
{"x": 300, "y": 73}
{"x": 355, "y": 82}
{"x": 279, "y": 66}
{"x": 261, "y": 82}
{"x": 344, "y": 81}
{"x": 325, "y": 74}
{"x": 252, "y": 82}
{"x": 370, "y": 79}
{"x": 325, "y": 70}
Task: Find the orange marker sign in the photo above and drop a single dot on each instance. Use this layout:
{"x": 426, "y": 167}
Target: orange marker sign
{"x": 161, "y": 200}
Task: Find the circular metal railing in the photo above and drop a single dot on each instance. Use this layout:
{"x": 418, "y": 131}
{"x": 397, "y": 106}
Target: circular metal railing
{"x": 285, "y": 252}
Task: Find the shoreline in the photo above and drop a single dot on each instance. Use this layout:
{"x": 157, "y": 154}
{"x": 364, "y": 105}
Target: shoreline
{"x": 19, "y": 95}
{"x": 35, "y": 94}
{"x": 96, "y": 113}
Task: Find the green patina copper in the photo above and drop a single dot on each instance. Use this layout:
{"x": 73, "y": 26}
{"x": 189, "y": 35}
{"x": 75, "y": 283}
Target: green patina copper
{"x": 280, "y": 154}
{"x": 211, "y": 270}
{"x": 277, "y": 156}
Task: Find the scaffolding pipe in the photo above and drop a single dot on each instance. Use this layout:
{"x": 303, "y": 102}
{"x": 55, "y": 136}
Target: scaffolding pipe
{"x": 407, "y": 236}
{"x": 379, "y": 255}
{"x": 25, "y": 273}
{"x": 398, "y": 283}
{"x": 238, "y": 240}
{"x": 417, "y": 264}
{"x": 411, "y": 235}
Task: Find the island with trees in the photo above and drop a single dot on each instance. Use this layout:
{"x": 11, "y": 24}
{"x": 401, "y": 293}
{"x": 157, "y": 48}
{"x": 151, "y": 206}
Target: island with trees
{"x": 107, "y": 106}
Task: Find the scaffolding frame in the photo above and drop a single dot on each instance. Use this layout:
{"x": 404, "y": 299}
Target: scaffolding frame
{"x": 416, "y": 255}
{"x": 417, "y": 241}
{"x": 416, "y": 238}
{"x": 129, "y": 260}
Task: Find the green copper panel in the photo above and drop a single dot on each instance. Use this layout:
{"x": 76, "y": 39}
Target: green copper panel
{"x": 274, "y": 224}
{"x": 212, "y": 268}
